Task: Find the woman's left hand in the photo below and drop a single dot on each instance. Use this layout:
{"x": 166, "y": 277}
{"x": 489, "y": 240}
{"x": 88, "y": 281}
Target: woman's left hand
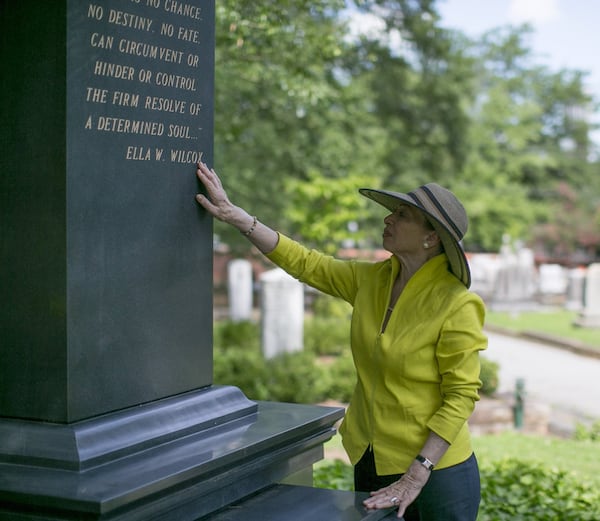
{"x": 401, "y": 493}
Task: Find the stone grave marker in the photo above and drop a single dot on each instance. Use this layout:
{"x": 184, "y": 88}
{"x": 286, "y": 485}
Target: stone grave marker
{"x": 282, "y": 318}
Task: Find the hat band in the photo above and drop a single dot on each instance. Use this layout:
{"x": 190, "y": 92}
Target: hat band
{"x": 438, "y": 206}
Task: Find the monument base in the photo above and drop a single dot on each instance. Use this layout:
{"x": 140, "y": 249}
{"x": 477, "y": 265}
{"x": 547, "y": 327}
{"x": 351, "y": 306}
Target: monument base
{"x": 179, "y": 463}
{"x": 588, "y": 320}
{"x": 296, "y": 502}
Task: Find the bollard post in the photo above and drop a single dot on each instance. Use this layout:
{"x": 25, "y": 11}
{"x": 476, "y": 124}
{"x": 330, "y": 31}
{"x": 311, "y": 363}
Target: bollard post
{"x": 519, "y": 406}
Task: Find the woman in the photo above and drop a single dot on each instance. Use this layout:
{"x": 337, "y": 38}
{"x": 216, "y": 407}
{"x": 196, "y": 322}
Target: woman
{"x": 416, "y": 335}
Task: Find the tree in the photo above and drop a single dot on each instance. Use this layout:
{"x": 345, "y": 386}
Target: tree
{"x": 420, "y": 90}
{"x": 307, "y": 114}
{"x": 529, "y": 134}
{"x": 276, "y": 97}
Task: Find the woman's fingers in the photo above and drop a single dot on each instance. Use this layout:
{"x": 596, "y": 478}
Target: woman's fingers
{"x": 215, "y": 201}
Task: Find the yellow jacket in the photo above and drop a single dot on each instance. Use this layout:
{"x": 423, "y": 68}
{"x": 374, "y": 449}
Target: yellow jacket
{"x": 421, "y": 374}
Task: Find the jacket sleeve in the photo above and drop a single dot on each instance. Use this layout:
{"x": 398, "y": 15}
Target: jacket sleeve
{"x": 327, "y": 274}
{"x": 460, "y": 341}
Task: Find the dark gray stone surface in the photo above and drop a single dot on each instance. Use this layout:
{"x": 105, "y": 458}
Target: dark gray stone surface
{"x": 106, "y": 259}
{"x": 88, "y": 443}
{"x": 302, "y": 504}
{"x": 181, "y": 479}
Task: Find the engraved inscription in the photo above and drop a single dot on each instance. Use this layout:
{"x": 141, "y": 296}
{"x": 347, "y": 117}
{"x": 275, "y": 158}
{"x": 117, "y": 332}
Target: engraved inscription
{"x": 143, "y": 80}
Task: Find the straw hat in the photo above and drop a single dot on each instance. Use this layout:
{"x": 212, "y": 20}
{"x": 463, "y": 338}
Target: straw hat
{"x": 443, "y": 210}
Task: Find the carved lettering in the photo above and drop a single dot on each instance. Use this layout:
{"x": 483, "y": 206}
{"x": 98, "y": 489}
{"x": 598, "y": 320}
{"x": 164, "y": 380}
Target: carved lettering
{"x": 114, "y": 70}
{"x": 165, "y": 104}
{"x": 163, "y": 79}
{"x": 101, "y": 41}
{"x": 185, "y": 156}
{"x": 147, "y": 50}
{"x": 132, "y": 21}
{"x": 195, "y": 108}
{"x": 125, "y": 99}
{"x": 183, "y": 9}
{"x": 130, "y": 35}
{"x": 95, "y": 95}
{"x": 188, "y": 35}
{"x": 130, "y": 126}
{"x": 179, "y": 131}
{"x": 138, "y": 153}
{"x": 95, "y": 11}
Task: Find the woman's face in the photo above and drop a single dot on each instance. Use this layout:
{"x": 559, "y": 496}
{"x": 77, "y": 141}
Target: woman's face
{"x": 406, "y": 229}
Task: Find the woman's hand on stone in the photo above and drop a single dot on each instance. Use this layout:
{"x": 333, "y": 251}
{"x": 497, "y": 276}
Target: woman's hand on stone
{"x": 216, "y": 201}
{"x": 399, "y": 494}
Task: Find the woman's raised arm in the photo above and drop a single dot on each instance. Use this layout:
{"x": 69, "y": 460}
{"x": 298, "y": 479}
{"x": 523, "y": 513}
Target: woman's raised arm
{"x": 219, "y": 206}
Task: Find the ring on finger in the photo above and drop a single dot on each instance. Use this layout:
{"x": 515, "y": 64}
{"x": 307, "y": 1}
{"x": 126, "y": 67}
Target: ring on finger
{"x": 394, "y": 500}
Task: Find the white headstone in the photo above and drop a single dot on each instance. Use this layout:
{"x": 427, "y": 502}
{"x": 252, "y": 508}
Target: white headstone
{"x": 552, "y": 279}
{"x": 515, "y": 280}
{"x": 576, "y": 278}
{"x": 484, "y": 269}
{"x": 590, "y": 315}
{"x": 239, "y": 288}
{"x": 282, "y": 317}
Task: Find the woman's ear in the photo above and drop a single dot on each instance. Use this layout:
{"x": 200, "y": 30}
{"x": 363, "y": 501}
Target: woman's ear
{"x": 432, "y": 239}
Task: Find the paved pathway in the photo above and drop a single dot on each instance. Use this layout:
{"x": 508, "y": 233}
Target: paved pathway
{"x": 569, "y": 382}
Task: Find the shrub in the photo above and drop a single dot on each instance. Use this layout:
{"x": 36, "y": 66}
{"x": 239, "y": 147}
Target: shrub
{"x": 327, "y": 331}
{"x": 341, "y": 378}
{"x": 294, "y": 377}
{"x": 288, "y": 377}
{"x": 591, "y": 433}
{"x": 335, "y": 475}
{"x": 228, "y": 333}
{"x": 519, "y": 491}
{"x": 489, "y": 376}
{"x": 242, "y": 367}
{"x": 326, "y": 336}
{"x": 510, "y": 491}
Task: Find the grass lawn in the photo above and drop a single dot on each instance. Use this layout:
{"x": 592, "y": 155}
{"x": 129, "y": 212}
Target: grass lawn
{"x": 555, "y": 322}
{"x": 582, "y": 458}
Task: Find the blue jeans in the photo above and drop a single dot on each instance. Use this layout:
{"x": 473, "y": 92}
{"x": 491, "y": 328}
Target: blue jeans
{"x": 451, "y": 494}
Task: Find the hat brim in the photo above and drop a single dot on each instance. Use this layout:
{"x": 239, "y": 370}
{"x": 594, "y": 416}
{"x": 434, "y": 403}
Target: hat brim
{"x": 457, "y": 259}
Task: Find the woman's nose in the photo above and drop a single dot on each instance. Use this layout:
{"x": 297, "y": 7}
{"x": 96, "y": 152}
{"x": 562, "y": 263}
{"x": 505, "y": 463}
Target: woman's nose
{"x": 388, "y": 218}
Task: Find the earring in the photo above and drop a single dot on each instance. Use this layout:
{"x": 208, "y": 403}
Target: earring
{"x": 425, "y": 245}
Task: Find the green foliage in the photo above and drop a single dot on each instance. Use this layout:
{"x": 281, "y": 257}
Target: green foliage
{"x": 337, "y": 201}
{"x": 335, "y": 475}
{"x": 229, "y": 334}
{"x": 580, "y": 457}
{"x": 527, "y": 138}
{"x": 326, "y": 336}
{"x": 515, "y": 490}
{"x": 307, "y": 113}
{"x": 295, "y": 378}
{"x": 327, "y": 329}
{"x": 277, "y": 100}
{"x": 341, "y": 376}
{"x": 243, "y": 367}
{"x": 289, "y": 377}
{"x": 591, "y": 433}
{"x": 489, "y": 376}
{"x": 511, "y": 490}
